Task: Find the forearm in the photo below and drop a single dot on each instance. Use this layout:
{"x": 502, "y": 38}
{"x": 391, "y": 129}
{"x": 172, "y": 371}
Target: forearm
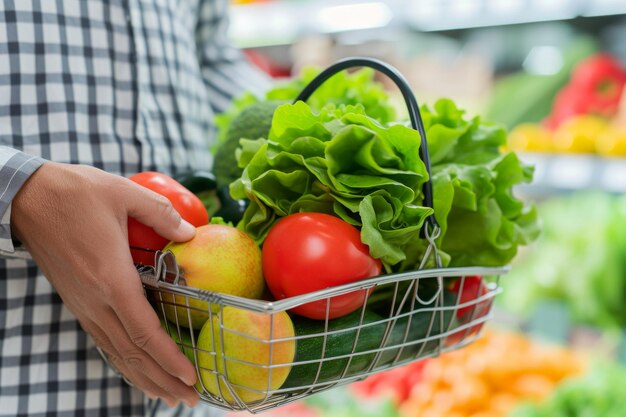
{"x": 15, "y": 169}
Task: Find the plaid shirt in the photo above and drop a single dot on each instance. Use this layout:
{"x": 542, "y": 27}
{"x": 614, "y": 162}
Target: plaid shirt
{"x": 123, "y": 85}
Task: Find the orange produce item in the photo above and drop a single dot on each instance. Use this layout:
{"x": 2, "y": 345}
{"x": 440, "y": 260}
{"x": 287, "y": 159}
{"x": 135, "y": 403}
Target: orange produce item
{"x": 486, "y": 379}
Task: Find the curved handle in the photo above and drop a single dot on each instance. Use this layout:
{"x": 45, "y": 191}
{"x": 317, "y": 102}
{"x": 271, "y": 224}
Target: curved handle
{"x": 412, "y": 105}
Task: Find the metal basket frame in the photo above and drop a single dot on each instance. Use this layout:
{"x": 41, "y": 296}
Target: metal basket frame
{"x": 445, "y": 331}
{"x": 165, "y": 280}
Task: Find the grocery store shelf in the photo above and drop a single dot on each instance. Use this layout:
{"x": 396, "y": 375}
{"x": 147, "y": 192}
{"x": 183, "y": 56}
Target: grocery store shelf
{"x": 603, "y": 7}
{"x": 281, "y": 22}
{"x": 563, "y": 173}
{"x": 435, "y": 15}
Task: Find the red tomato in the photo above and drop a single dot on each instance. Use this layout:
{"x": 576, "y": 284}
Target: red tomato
{"x": 473, "y": 288}
{"x": 306, "y": 252}
{"x": 185, "y": 203}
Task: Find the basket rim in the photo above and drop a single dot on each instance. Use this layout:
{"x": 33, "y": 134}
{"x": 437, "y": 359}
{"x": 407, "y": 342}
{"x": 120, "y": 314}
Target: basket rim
{"x": 263, "y": 306}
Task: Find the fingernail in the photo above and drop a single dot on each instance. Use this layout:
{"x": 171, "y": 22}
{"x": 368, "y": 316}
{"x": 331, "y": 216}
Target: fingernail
{"x": 187, "y": 227}
{"x": 187, "y": 381}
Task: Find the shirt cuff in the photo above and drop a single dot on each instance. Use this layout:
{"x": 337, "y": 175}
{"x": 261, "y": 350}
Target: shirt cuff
{"x": 15, "y": 169}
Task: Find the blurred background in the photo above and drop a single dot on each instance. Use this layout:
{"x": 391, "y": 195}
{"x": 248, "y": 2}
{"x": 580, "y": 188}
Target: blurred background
{"x": 553, "y": 72}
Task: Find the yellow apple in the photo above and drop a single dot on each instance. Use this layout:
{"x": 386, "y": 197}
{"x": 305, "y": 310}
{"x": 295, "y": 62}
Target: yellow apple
{"x": 241, "y": 345}
{"x": 221, "y": 259}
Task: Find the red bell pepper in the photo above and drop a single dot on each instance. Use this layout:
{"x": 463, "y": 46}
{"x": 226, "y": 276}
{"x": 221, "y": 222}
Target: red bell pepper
{"x": 595, "y": 87}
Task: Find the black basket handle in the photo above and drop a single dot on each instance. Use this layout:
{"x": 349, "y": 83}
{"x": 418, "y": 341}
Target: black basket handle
{"x": 411, "y": 103}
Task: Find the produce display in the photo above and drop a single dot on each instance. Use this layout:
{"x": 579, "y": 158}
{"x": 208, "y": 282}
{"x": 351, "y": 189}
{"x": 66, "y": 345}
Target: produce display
{"x": 595, "y": 87}
{"x": 526, "y": 97}
{"x": 587, "y": 115}
{"x": 544, "y": 381}
{"x": 488, "y": 378}
{"x": 600, "y": 393}
{"x": 329, "y": 193}
{"x": 579, "y": 261}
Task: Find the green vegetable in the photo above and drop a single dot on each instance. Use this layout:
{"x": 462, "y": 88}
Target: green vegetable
{"x": 217, "y": 200}
{"x": 338, "y": 161}
{"x": 337, "y": 344}
{"x": 253, "y": 122}
{"x": 600, "y": 393}
{"x": 579, "y": 261}
{"x": 523, "y": 97}
{"x": 341, "y": 343}
{"x": 346, "y": 88}
{"x": 343, "y": 162}
{"x": 340, "y": 402}
{"x": 230, "y": 209}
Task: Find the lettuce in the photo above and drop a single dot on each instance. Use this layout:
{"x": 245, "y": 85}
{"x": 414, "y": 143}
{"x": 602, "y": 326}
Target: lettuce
{"x": 345, "y": 153}
{"x": 482, "y": 222}
{"x": 344, "y": 88}
{"x": 340, "y": 160}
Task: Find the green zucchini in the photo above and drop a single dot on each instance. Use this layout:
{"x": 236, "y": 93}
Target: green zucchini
{"x": 369, "y": 338}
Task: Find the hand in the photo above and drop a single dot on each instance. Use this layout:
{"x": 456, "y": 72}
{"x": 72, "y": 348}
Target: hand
{"x": 73, "y": 221}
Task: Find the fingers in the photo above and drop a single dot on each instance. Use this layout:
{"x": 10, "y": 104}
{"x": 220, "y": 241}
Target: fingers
{"x": 156, "y": 211}
{"x": 94, "y": 274}
{"x": 139, "y": 380}
{"x": 143, "y": 328}
{"x": 143, "y": 371}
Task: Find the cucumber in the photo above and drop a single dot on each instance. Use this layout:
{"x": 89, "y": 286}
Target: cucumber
{"x": 369, "y": 338}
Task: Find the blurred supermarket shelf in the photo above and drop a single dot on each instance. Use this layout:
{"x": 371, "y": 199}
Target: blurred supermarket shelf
{"x": 282, "y": 22}
{"x": 563, "y": 173}
{"x": 429, "y": 15}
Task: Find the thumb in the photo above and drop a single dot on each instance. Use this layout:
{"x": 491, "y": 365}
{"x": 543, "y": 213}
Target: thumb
{"x": 156, "y": 211}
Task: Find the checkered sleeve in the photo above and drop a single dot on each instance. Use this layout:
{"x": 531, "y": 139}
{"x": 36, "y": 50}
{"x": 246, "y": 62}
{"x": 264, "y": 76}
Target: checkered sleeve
{"x": 225, "y": 70}
{"x": 15, "y": 168}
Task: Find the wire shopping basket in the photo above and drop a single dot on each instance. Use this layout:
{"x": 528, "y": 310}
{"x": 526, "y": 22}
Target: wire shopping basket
{"x": 256, "y": 355}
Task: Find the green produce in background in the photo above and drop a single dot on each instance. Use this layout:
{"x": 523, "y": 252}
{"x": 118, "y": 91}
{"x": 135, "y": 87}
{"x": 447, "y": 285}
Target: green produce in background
{"x": 600, "y": 393}
{"x": 580, "y": 260}
{"x": 340, "y": 403}
{"x": 523, "y": 97}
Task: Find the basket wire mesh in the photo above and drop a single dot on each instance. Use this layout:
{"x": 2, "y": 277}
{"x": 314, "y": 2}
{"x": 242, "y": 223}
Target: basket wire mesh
{"x": 404, "y": 316}
{"x": 423, "y": 319}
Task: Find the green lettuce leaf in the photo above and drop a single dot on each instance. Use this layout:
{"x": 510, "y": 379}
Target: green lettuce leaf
{"x": 352, "y": 161}
{"x": 345, "y": 88}
{"x": 482, "y": 222}
{"x": 342, "y": 162}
